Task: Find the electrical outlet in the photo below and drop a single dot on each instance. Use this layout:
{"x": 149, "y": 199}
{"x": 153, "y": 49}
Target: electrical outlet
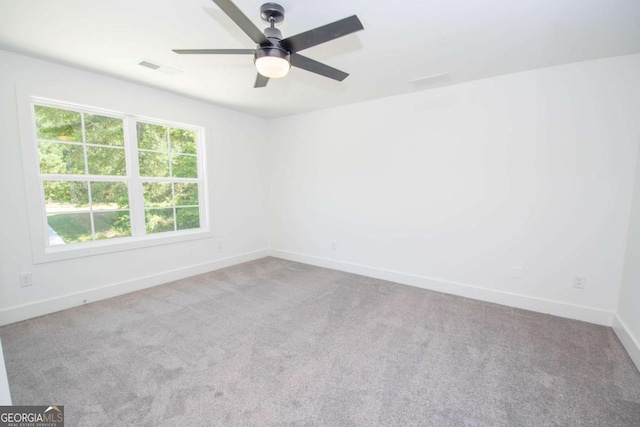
{"x": 334, "y": 246}
{"x": 579, "y": 282}
{"x": 25, "y": 279}
{"x": 516, "y": 272}
{"x": 219, "y": 243}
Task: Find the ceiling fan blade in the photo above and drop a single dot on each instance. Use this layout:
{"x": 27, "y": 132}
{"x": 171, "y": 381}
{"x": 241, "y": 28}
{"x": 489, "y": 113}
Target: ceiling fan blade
{"x": 216, "y": 51}
{"x": 322, "y": 34}
{"x": 314, "y": 66}
{"x": 242, "y": 21}
{"x": 261, "y": 81}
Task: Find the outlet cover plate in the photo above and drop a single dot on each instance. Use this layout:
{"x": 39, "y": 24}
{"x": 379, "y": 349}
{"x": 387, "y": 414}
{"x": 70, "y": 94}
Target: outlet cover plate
{"x": 579, "y": 282}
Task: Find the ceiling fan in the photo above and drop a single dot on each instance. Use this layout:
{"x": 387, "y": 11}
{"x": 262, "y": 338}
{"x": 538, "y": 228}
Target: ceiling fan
{"x": 273, "y": 55}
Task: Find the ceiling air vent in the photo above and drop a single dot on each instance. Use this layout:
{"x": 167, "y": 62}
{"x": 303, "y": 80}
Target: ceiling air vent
{"x": 159, "y": 67}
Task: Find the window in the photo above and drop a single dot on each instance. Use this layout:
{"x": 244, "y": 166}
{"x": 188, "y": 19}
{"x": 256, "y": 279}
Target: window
{"x": 169, "y": 171}
{"x": 108, "y": 177}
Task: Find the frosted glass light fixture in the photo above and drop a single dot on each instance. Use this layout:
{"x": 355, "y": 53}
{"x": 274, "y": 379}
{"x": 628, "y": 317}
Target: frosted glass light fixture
{"x": 272, "y": 62}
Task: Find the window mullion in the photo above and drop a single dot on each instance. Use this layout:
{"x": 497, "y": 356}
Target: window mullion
{"x": 93, "y": 225}
{"x": 79, "y": 177}
{"x": 202, "y": 189}
{"x": 86, "y": 174}
{"x": 173, "y": 202}
{"x": 173, "y": 191}
{"x": 136, "y": 199}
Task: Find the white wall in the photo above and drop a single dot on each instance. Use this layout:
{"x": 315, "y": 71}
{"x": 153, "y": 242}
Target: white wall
{"x": 451, "y": 188}
{"x": 447, "y": 189}
{"x": 627, "y": 322}
{"x": 237, "y": 175}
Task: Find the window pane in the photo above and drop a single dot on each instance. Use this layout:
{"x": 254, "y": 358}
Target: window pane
{"x": 184, "y": 166}
{"x": 187, "y": 218}
{"x": 109, "y": 195}
{"x": 154, "y": 164}
{"x": 71, "y": 228}
{"x": 159, "y": 220}
{"x": 103, "y": 130}
{"x": 111, "y": 224}
{"x": 59, "y": 124}
{"x": 157, "y": 194}
{"x": 61, "y": 158}
{"x": 106, "y": 161}
{"x": 186, "y": 193}
{"x": 65, "y": 195}
{"x": 152, "y": 137}
{"x": 183, "y": 141}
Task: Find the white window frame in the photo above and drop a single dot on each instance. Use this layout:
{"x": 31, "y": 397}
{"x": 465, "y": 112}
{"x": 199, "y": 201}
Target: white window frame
{"x": 42, "y": 251}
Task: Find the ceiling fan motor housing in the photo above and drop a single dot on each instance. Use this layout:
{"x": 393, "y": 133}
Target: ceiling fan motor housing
{"x": 273, "y": 51}
{"x": 273, "y": 33}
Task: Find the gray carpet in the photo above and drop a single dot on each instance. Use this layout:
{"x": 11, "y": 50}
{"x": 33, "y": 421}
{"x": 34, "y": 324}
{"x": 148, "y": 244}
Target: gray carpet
{"x": 274, "y": 342}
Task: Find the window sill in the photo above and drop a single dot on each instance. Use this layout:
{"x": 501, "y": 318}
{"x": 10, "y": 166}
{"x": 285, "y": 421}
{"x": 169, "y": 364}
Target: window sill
{"x": 79, "y": 250}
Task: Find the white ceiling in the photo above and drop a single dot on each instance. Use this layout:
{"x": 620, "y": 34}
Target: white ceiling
{"x": 402, "y": 41}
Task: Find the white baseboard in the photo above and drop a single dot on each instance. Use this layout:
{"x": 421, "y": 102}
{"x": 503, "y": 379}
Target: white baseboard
{"x": 587, "y": 314}
{"x": 40, "y": 308}
{"x": 556, "y": 308}
{"x": 629, "y": 342}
